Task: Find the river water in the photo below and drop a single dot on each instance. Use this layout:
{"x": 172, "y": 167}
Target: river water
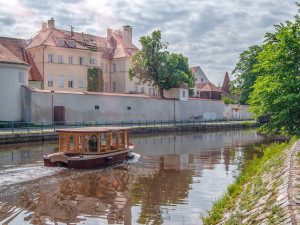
{"x": 173, "y": 178}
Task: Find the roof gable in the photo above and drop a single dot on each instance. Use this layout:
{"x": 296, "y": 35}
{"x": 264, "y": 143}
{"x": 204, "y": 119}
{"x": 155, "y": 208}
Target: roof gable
{"x": 7, "y": 57}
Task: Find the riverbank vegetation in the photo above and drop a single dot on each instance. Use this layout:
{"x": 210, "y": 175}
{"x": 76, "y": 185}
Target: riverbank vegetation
{"x": 255, "y": 194}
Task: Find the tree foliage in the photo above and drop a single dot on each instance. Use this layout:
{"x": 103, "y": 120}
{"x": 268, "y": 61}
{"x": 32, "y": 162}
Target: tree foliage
{"x": 228, "y": 100}
{"x": 277, "y": 89}
{"x": 95, "y": 80}
{"x": 162, "y": 69}
{"x": 245, "y": 76}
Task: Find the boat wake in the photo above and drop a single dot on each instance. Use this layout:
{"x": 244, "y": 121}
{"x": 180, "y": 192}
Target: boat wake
{"x": 134, "y": 159}
{"x": 16, "y": 174}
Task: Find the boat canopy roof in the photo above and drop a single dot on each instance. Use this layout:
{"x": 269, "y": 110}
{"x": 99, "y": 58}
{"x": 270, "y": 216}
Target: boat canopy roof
{"x": 92, "y": 129}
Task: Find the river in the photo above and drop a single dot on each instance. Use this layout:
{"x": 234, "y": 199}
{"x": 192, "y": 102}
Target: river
{"x": 172, "y": 179}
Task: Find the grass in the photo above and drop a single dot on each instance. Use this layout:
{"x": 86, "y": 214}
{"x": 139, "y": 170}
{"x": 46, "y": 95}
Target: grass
{"x": 249, "y": 189}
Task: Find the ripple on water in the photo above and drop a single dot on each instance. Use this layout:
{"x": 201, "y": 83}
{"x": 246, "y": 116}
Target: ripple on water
{"x": 10, "y": 175}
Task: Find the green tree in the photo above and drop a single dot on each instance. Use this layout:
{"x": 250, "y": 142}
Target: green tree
{"x": 277, "y": 90}
{"x": 245, "y": 76}
{"x": 228, "y": 100}
{"x": 160, "y": 68}
{"x": 95, "y": 80}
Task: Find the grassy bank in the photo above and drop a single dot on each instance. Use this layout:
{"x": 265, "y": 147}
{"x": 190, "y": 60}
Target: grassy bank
{"x": 256, "y": 196}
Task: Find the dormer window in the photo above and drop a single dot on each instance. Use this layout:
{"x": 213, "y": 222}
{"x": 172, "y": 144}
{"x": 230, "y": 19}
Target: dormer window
{"x": 71, "y": 44}
{"x": 60, "y": 43}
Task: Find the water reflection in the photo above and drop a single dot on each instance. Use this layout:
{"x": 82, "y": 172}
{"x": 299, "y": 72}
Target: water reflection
{"x": 176, "y": 178}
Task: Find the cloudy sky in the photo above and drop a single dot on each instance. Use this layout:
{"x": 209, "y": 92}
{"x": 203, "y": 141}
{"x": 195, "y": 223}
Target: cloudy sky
{"x": 211, "y": 33}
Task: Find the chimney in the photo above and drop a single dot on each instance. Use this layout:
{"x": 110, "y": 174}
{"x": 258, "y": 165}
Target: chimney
{"x": 51, "y": 23}
{"x": 109, "y": 33}
{"x": 44, "y": 26}
{"x": 127, "y": 36}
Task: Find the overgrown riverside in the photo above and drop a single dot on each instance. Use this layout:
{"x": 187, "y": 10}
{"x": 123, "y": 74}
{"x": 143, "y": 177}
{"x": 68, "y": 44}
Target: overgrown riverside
{"x": 263, "y": 193}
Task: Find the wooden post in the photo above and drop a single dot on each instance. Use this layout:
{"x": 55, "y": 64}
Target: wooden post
{"x": 98, "y": 143}
{"x": 127, "y": 132}
{"x": 59, "y": 142}
{"x": 125, "y": 138}
{"x": 117, "y": 139}
{"x": 108, "y": 141}
{"x": 67, "y": 142}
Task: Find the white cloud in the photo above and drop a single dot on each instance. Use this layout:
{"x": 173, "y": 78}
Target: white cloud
{"x": 211, "y": 33}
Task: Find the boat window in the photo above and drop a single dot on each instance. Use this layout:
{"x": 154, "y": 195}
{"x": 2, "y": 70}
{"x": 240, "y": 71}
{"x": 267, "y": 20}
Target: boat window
{"x": 63, "y": 142}
{"x": 93, "y": 143}
{"x": 71, "y": 143}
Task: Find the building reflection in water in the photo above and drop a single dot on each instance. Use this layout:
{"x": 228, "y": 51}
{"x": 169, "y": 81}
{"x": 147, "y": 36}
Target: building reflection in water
{"x": 163, "y": 178}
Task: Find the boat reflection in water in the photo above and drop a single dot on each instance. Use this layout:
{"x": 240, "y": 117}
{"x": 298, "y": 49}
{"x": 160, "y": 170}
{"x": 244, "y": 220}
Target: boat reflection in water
{"x": 177, "y": 178}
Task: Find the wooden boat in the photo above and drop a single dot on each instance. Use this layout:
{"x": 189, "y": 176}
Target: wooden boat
{"x": 90, "y": 147}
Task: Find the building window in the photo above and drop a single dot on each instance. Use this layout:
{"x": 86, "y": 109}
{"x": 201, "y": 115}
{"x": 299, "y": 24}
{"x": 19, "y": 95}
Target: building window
{"x": 106, "y": 68}
{"x": 201, "y": 79}
{"x": 80, "y": 82}
{"x": 70, "y": 59}
{"x": 143, "y": 89}
{"x": 50, "y": 58}
{"x": 92, "y": 61}
{"x": 21, "y": 77}
{"x": 114, "y": 67}
{"x": 71, "y": 44}
{"x": 196, "y": 79}
{"x": 50, "y": 80}
{"x": 61, "y": 81}
{"x": 150, "y": 91}
{"x": 113, "y": 87}
{"x": 70, "y": 82}
{"x": 106, "y": 87}
{"x": 183, "y": 94}
{"x": 81, "y": 60}
{"x": 135, "y": 87}
{"x": 60, "y": 59}
{"x": 60, "y": 43}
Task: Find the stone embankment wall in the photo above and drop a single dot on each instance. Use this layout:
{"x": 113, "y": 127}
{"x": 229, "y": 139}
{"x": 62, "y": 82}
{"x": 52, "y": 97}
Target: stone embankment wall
{"x": 46, "y": 136}
{"x": 273, "y": 197}
{"x": 81, "y": 106}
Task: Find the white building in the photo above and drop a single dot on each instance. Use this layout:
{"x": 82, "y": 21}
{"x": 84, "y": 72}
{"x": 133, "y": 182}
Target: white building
{"x": 13, "y": 74}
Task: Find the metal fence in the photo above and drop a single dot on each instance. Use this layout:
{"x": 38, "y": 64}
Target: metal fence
{"x": 46, "y": 126}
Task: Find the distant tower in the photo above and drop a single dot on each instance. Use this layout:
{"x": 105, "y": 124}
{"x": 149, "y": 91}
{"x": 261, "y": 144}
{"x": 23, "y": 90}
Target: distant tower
{"x": 226, "y": 84}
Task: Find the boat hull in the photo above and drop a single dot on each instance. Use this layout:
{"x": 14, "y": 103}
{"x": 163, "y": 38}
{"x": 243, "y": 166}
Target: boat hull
{"x": 79, "y": 161}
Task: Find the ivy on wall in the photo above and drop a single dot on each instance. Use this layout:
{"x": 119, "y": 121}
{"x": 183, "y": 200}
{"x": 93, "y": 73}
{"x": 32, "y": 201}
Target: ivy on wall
{"x": 95, "y": 80}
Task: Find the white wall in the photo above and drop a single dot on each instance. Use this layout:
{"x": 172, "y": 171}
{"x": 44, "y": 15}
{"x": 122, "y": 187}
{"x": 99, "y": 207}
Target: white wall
{"x": 10, "y": 97}
{"x": 177, "y": 93}
{"x": 81, "y": 107}
{"x": 235, "y": 111}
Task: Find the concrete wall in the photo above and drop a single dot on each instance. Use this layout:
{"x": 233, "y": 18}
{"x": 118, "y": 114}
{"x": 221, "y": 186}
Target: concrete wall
{"x": 10, "y": 86}
{"x": 80, "y": 106}
{"x": 235, "y": 111}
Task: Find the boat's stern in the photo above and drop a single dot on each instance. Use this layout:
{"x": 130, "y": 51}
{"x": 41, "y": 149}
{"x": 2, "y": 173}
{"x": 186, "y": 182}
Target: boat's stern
{"x": 55, "y": 159}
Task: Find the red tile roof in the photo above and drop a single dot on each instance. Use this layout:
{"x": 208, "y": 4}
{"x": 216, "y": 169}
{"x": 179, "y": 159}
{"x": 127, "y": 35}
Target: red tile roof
{"x": 17, "y": 48}
{"x": 207, "y": 87}
{"x": 7, "y": 57}
{"x": 113, "y": 48}
{"x": 193, "y": 69}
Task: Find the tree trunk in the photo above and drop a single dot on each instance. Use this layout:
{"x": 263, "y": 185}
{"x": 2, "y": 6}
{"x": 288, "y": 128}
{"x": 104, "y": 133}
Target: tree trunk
{"x": 161, "y": 92}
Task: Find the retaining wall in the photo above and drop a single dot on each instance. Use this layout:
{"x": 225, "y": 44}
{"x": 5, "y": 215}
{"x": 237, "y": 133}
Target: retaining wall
{"x": 46, "y": 136}
{"x": 81, "y": 106}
